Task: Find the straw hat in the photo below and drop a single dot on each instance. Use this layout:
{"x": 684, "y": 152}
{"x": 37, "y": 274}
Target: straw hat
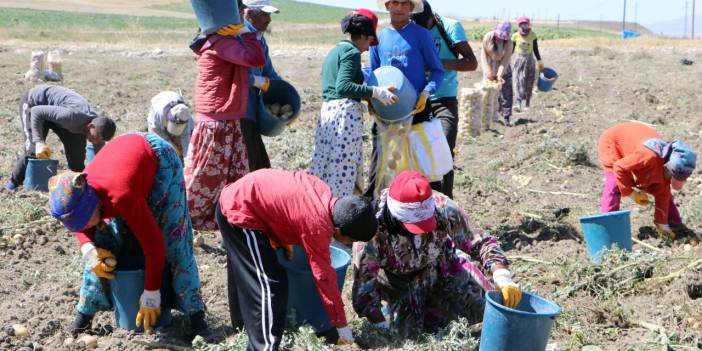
{"x": 418, "y": 5}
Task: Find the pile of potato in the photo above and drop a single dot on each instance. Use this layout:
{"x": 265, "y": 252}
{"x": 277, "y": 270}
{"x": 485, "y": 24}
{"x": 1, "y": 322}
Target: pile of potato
{"x": 283, "y": 112}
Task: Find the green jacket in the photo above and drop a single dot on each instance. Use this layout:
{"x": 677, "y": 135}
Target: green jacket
{"x": 342, "y": 77}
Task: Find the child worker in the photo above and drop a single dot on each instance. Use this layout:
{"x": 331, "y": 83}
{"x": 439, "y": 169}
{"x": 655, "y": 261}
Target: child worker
{"x": 525, "y": 47}
{"x": 130, "y": 202}
{"x": 338, "y": 150}
{"x": 637, "y": 161}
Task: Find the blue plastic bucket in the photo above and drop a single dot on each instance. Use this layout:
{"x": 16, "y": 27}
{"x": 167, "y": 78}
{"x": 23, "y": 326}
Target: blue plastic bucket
{"x": 525, "y": 328}
{"x": 547, "y": 78}
{"x": 125, "y": 291}
{"x": 304, "y": 304}
{"x": 38, "y": 172}
{"x": 283, "y": 93}
{"x": 392, "y": 76}
{"x": 604, "y": 230}
{"x": 89, "y": 153}
{"x": 214, "y": 14}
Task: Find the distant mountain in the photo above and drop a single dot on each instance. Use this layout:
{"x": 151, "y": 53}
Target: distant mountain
{"x": 674, "y": 28}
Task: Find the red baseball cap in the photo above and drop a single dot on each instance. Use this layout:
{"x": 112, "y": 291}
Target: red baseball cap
{"x": 410, "y": 201}
{"x": 371, "y": 16}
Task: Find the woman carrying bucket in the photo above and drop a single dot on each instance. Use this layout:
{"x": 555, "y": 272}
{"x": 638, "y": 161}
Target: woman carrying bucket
{"x": 417, "y": 273}
{"x": 338, "y": 150}
{"x": 130, "y": 201}
{"x": 526, "y": 46}
{"x": 217, "y": 154}
{"x": 637, "y": 161}
{"x": 495, "y": 58}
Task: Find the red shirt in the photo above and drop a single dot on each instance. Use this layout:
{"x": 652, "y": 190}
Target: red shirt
{"x": 621, "y": 151}
{"x": 122, "y": 174}
{"x": 291, "y": 208}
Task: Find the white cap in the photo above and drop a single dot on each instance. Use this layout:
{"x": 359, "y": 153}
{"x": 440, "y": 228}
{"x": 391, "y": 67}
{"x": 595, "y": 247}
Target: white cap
{"x": 263, "y": 5}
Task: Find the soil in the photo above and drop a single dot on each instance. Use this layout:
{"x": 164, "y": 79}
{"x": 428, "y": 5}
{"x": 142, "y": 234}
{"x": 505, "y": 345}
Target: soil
{"x": 527, "y": 184}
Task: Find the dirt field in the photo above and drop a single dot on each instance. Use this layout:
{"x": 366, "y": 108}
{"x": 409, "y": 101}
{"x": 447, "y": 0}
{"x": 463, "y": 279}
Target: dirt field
{"x": 527, "y": 184}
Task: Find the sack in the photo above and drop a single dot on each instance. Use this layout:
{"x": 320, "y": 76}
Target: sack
{"x": 430, "y": 150}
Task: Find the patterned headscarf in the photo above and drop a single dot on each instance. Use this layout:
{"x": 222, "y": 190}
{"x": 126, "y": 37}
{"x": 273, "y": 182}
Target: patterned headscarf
{"x": 503, "y": 30}
{"x": 679, "y": 158}
{"x": 71, "y": 200}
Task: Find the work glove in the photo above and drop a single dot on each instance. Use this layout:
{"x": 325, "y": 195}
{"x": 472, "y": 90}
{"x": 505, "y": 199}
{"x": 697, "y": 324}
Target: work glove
{"x": 540, "y": 65}
{"x": 421, "y": 102}
{"x": 42, "y": 150}
{"x": 231, "y": 30}
{"x": 640, "y": 197}
{"x": 102, "y": 262}
{"x": 288, "y": 249}
{"x": 261, "y": 82}
{"x": 665, "y": 231}
{"x": 511, "y": 293}
{"x": 345, "y": 336}
{"x": 385, "y": 95}
{"x": 149, "y": 309}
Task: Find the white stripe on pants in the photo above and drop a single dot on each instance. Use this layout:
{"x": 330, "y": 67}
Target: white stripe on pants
{"x": 266, "y": 308}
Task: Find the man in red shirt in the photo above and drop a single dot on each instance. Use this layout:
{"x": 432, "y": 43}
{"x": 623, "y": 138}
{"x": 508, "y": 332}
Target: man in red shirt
{"x": 285, "y": 208}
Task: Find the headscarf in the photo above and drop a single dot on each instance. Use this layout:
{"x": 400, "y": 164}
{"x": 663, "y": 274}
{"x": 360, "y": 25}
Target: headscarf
{"x": 503, "y": 30}
{"x": 679, "y": 158}
{"x": 170, "y": 118}
{"x": 71, "y": 200}
{"x": 524, "y": 20}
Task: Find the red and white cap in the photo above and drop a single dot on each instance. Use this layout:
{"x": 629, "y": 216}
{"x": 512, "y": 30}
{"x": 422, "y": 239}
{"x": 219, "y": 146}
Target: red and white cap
{"x": 411, "y": 202}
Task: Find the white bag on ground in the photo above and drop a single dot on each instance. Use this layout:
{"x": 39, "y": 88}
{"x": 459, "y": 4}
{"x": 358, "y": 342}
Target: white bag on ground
{"x": 431, "y": 154}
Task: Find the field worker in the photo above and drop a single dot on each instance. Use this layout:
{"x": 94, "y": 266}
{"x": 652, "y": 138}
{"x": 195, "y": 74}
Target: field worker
{"x": 52, "y": 107}
{"x": 495, "y": 58}
{"x": 338, "y": 150}
{"x": 135, "y": 209}
{"x": 637, "y": 161}
{"x": 217, "y": 154}
{"x": 417, "y": 274}
{"x": 169, "y": 117}
{"x": 525, "y": 47}
{"x": 270, "y": 208}
{"x": 257, "y": 18}
{"x": 456, "y": 55}
{"x": 410, "y": 48}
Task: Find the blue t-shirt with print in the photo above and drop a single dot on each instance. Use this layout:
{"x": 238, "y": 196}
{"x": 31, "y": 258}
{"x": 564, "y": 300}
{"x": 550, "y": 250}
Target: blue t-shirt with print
{"x": 412, "y": 51}
{"x": 455, "y": 33}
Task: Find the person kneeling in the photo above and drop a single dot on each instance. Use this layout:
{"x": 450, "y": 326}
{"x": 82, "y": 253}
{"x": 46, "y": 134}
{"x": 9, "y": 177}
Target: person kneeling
{"x": 420, "y": 263}
{"x": 271, "y": 208}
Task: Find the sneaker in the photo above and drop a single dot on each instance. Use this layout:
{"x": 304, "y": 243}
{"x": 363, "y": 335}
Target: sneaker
{"x": 11, "y": 186}
{"x": 81, "y": 324}
{"x": 505, "y": 121}
{"x": 518, "y": 107}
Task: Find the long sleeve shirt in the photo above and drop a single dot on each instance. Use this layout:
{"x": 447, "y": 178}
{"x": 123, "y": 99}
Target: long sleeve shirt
{"x": 58, "y": 105}
{"x": 122, "y": 175}
{"x": 266, "y": 71}
{"x": 390, "y": 254}
{"x": 342, "y": 77}
{"x": 410, "y": 49}
{"x": 621, "y": 151}
{"x": 290, "y": 208}
{"x": 495, "y": 57}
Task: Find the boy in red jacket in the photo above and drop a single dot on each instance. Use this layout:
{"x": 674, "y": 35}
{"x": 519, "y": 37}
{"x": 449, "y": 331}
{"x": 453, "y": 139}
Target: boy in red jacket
{"x": 284, "y": 208}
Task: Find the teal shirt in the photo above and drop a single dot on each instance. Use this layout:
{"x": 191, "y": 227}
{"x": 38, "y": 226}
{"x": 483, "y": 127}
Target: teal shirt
{"x": 342, "y": 77}
{"x": 455, "y": 31}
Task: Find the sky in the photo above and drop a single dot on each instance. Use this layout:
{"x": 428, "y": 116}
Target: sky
{"x": 645, "y": 11}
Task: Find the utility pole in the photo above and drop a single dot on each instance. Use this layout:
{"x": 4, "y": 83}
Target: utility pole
{"x": 685, "y": 26}
{"x": 558, "y": 23}
{"x": 624, "y": 18}
{"x": 693, "y": 19}
{"x": 636, "y": 16}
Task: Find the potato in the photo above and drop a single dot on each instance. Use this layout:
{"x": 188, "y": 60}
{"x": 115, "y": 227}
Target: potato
{"x": 90, "y": 341}
{"x": 285, "y": 109}
{"x": 287, "y": 115}
{"x": 275, "y": 109}
{"x": 20, "y": 330}
{"x": 111, "y": 262}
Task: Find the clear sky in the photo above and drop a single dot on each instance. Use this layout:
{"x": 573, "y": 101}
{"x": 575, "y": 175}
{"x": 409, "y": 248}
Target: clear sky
{"x": 647, "y": 11}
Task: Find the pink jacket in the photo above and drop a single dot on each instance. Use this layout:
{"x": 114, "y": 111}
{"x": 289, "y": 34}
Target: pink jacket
{"x": 221, "y": 88}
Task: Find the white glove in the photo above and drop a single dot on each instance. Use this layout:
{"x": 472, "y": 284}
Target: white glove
{"x": 382, "y": 325}
{"x": 345, "y": 336}
{"x": 262, "y": 83}
{"x": 150, "y": 299}
{"x": 89, "y": 254}
{"x": 385, "y": 95}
